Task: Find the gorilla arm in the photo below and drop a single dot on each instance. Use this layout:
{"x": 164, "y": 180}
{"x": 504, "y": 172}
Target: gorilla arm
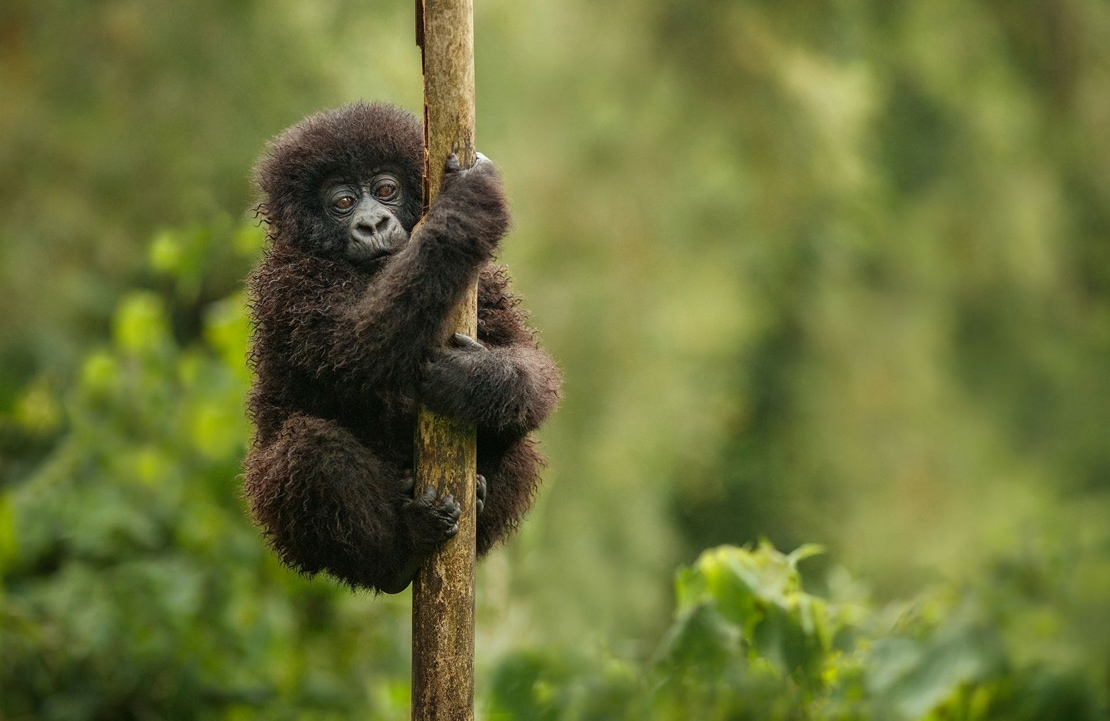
{"x": 503, "y": 381}
{"x": 510, "y": 390}
{"x": 379, "y": 339}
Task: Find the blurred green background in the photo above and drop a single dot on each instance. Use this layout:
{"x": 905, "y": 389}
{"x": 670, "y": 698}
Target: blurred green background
{"x": 823, "y": 271}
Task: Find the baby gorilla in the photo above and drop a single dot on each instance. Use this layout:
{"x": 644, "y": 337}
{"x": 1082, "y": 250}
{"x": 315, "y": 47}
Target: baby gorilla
{"x": 351, "y": 305}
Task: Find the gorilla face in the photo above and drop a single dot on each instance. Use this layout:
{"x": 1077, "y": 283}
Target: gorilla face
{"x": 345, "y": 184}
{"x": 364, "y": 216}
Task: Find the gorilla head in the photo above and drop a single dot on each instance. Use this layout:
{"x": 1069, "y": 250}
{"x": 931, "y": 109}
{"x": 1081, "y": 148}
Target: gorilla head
{"x": 345, "y": 183}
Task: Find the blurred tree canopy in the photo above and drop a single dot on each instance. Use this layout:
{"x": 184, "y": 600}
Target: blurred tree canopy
{"x": 121, "y": 118}
{"x": 831, "y": 272}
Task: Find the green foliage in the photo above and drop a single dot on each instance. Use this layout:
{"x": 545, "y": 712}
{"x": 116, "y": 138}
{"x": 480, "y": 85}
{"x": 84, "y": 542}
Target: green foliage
{"x": 126, "y": 117}
{"x": 749, "y": 643}
{"x": 131, "y": 584}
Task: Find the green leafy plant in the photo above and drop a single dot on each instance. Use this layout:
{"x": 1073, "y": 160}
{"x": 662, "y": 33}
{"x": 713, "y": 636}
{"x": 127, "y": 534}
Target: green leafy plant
{"x": 132, "y": 585}
{"x": 748, "y": 642}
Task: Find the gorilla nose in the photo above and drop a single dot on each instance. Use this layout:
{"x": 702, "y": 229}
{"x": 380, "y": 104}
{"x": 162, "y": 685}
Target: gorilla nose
{"x": 376, "y": 223}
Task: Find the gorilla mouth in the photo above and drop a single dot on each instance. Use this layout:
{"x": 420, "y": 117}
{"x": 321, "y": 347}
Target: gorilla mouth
{"x": 363, "y": 250}
{"x": 375, "y": 246}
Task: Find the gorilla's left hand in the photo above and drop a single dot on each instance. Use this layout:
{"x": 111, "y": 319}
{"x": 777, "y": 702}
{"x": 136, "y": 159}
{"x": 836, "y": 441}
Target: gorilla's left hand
{"x": 509, "y": 389}
{"x": 461, "y": 379}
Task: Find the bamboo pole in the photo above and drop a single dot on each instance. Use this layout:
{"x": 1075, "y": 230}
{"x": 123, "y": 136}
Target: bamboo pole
{"x": 446, "y": 452}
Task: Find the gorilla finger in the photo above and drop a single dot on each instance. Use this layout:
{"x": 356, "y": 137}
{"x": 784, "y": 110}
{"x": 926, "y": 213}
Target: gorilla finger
{"x": 465, "y": 342}
{"x": 452, "y": 165}
{"x": 483, "y": 164}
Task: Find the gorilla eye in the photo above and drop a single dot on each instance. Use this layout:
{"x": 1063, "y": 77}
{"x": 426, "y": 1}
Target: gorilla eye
{"x": 386, "y": 190}
{"x": 345, "y": 202}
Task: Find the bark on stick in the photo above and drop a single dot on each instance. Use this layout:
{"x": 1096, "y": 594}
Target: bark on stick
{"x": 446, "y": 453}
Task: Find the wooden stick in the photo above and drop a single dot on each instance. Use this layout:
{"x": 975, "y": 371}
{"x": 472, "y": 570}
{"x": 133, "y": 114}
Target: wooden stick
{"x": 446, "y": 452}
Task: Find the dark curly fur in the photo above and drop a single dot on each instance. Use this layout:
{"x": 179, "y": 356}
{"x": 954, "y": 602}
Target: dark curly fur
{"x": 342, "y": 350}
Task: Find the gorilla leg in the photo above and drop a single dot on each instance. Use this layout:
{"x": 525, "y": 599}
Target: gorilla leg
{"x": 327, "y": 503}
{"x": 511, "y": 480}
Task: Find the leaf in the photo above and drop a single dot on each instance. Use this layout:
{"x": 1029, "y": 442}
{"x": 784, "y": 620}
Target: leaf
{"x": 166, "y": 253}
{"x": 700, "y": 642}
{"x": 911, "y": 678}
{"x": 141, "y": 325}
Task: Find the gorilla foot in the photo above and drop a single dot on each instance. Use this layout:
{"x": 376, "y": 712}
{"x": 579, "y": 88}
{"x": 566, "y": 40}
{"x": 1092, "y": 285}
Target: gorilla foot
{"x": 432, "y": 518}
